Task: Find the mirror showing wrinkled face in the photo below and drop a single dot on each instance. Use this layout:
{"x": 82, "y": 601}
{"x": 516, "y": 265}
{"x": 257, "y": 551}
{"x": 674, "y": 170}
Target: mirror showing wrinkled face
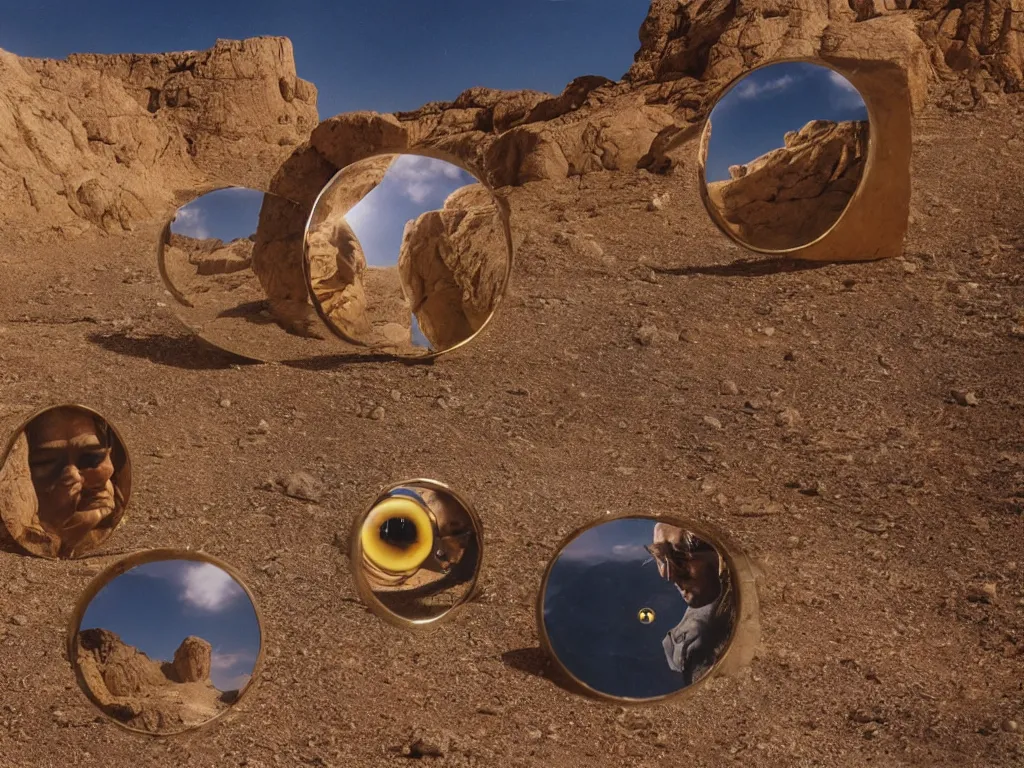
{"x": 65, "y": 481}
{"x": 416, "y": 553}
{"x": 406, "y": 254}
{"x": 637, "y": 608}
{"x": 163, "y": 644}
{"x": 222, "y": 258}
{"x": 783, "y": 151}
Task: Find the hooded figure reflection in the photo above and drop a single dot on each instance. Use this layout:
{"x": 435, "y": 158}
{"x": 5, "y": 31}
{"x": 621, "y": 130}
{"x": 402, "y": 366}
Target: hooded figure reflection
{"x": 72, "y": 469}
{"x": 700, "y": 574}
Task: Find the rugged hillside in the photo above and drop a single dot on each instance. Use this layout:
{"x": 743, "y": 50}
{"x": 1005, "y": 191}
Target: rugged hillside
{"x": 161, "y": 697}
{"x": 110, "y": 141}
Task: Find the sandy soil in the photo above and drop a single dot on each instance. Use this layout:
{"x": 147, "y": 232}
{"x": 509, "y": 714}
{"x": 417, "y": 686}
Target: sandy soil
{"x": 895, "y": 504}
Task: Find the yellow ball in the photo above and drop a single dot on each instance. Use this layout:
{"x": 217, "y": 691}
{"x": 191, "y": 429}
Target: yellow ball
{"x": 389, "y": 556}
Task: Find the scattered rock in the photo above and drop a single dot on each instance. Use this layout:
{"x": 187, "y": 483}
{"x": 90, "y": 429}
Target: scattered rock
{"x": 787, "y": 417}
{"x": 790, "y": 357}
{"x": 225, "y": 403}
{"x": 300, "y": 485}
{"x": 964, "y": 397}
{"x": 985, "y": 593}
{"x": 263, "y": 428}
{"x": 646, "y": 335}
{"x": 396, "y": 396}
{"x": 19, "y": 620}
{"x": 657, "y": 203}
{"x": 428, "y": 744}
{"x": 1010, "y": 726}
{"x": 711, "y": 421}
{"x": 377, "y": 413}
{"x": 534, "y": 734}
{"x": 728, "y": 388}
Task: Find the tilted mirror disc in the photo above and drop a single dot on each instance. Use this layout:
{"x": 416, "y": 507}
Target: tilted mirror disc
{"x": 417, "y": 552}
{"x": 165, "y": 641}
{"x": 65, "y": 481}
{"x": 232, "y": 261}
{"x": 783, "y": 151}
{"x": 637, "y": 608}
{"x": 407, "y": 255}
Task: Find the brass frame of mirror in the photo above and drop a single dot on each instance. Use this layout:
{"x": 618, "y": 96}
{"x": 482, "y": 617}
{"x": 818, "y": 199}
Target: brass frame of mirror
{"x": 874, "y": 223}
{"x": 292, "y": 267}
{"x": 359, "y": 562}
{"x": 745, "y": 632}
{"x": 123, "y": 566}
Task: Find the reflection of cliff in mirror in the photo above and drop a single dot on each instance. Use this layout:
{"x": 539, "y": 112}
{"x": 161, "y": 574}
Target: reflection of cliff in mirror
{"x": 65, "y": 481}
{"x": 206, "y": 260}
{"x": 784, "y": 151}
{"x": 634, "y": 608}
{"x": 417, "y": 552}
{"x": 406, "y": 254}
{"x": 166, "y": 645}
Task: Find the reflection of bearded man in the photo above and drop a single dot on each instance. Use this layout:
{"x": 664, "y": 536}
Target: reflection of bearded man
{"x": 72, "y": 470}
{"x": 700, "y": 574}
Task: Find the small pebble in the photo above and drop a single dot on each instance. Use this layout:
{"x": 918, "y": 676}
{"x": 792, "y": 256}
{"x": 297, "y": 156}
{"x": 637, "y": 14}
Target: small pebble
{"x": 19, "y": 620}
{"x": 711, "y": 421}
{"x": 396, "y": 395}
{"x": 377, "y": 413}
{"x": 1010, "y": 726}
{"x": 729, "y": 388}
{"x": 225, "y": 403}
{"x": 964, "y": 397}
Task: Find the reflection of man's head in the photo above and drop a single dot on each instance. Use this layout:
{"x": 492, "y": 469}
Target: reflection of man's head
{"x": 690, "y": 563}
{"x": 71, "y": 467}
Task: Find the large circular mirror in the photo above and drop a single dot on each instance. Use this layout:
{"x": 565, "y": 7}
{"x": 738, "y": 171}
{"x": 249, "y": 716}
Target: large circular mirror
{"x": 417, "y": 552}
{"x": 165, "y": 641}
{"x": 65, "y": 482}
{"x": 638, "y": 608}
{"x": 407, "y": 254}
{"x": 783, "y": 151}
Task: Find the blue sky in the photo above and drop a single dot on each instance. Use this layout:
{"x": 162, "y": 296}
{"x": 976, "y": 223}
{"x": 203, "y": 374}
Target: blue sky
{"x": 155, "y": 606}
{"x": 594, "y": 592}
{"x": 386, "y": 55}
{"x": 755, "y": 115}
{"x": 224, "y": 213}
{"x": 412, "y": 185}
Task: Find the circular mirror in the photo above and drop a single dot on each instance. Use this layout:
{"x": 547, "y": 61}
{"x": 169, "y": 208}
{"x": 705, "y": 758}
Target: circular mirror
{"x": 638, "y": 608}
{"x": 165, "y": 641}
{"x": 223, "y": 256}
{"x": 407, "y": 254}
{"x": 417, "y": 552}
{"x": 783, "y": 151}
{"x": 65, "y": 481}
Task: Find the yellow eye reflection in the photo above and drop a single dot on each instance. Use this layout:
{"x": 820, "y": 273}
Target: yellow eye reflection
{"x": 398, "y": 535}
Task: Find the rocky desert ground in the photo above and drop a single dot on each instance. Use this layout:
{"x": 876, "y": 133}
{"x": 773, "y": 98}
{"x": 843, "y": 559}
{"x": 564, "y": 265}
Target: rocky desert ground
{"x": 858, "y": 428}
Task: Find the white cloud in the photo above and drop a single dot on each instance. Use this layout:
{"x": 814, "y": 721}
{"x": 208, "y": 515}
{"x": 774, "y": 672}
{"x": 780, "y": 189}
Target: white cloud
{"x": 236, "y": 683}
{"x": 222, "y": 662}
{"x": 629, "y": 551}
{"x": 416, "y": 177}
{"x": 749, "y": 89}
{"x": 208, "y": 588}
{"x": 840, "y": 82}
{"x": 845, "y": 95}
{"x": 190, "y": 221}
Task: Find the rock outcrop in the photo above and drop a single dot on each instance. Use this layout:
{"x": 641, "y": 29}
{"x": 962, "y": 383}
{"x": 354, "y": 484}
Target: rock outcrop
{"x": 97, "y": 141}
{"x": 159, "y": 697}
{"x": 453, "y": 265}
{"x": 791, "y": 196}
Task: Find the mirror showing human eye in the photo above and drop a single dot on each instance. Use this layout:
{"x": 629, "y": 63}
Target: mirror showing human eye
{"x": 164, "y": 644}
{"x": 637, "y": 608}
{"x": 783, "y": 151}
{"x": 407, "y": 254}
{"x": 65, "y": 481}
{"x": 416, "y": 552}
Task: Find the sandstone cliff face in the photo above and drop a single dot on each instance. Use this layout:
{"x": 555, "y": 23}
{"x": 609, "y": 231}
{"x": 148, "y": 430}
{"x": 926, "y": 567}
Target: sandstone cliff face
{"x": 793, "y": 195}
{"x": 108, "y": 141}
{"x": 146, "y": 694}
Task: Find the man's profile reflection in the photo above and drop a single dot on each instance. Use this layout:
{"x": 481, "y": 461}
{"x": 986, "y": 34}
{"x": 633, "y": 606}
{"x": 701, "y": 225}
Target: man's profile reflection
{"x": 700, "y": 574}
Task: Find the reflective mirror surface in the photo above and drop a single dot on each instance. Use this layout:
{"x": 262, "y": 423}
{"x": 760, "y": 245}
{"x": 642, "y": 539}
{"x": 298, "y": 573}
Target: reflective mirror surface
{"x": 235, "y": 274}
{"x": 637, "y": 608}
{"x": 783, "y": 151}
{"x": 163, "y": 644}
{"x": 417, "y": 552}
{"x": 65, "y": 481}
{"x": 406, "y": 254}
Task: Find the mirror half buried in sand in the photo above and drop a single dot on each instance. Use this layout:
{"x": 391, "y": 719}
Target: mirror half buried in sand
{"x": 783, "y": 152}
{"x": 222, "y": 256}
{"x": 65, "y": 482}
{"x": 165, "y": 641}
{"x": 637, "y": 608}
{"x": 417, "y": 553}
{"x": 407, "y": 254}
